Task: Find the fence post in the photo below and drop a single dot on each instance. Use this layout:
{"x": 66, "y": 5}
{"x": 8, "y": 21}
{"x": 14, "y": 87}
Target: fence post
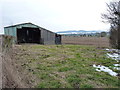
{"x": 1, "y": 62}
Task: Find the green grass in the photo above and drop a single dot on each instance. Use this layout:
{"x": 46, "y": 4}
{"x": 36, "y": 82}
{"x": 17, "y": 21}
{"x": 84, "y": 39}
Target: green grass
{"x": 67, "y": 66}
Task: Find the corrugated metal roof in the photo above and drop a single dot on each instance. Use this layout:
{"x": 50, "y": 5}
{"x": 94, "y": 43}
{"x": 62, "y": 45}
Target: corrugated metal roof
{"x": 18, "y": 25}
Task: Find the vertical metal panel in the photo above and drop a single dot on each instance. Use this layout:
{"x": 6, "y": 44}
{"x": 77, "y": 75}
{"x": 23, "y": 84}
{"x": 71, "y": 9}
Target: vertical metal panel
{"x": 50, "y": 37}
{"x": 10, "y": 31}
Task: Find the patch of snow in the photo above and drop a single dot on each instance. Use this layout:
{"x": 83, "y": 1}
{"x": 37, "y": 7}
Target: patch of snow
{"x": 105, "y": 69}
{"x": 114, "y": 56}
{"x": 116, "y": 65}
{"x": 107, "y": 49}
{"x": 117, "y": 68}
{"x": 112, "y": 50}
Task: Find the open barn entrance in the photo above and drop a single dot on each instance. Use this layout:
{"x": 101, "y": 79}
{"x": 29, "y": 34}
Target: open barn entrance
{"x": 57, "y": 39}
{"x": 28, "y": 35}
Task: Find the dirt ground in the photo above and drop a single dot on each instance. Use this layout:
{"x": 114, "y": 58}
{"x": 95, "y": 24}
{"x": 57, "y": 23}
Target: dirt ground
{"x": 16, "y": 75}
{"x": 10, "y": 76}
{"x": 96, "y": 41}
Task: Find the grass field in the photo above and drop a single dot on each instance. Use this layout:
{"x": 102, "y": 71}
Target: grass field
{"x": 95, "y": 41}
{"x": 63, "y": 66}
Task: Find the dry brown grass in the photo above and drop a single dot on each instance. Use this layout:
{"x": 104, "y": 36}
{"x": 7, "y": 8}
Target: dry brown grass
{"x": 96, "y": 41}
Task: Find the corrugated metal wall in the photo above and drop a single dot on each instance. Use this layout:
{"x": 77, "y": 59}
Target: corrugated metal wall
{"x": 10, "y": 31}
{"x": 47, "y": 36}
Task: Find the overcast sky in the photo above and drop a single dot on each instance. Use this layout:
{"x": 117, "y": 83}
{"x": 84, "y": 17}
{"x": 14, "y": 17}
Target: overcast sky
{"x": 54, "y": 15}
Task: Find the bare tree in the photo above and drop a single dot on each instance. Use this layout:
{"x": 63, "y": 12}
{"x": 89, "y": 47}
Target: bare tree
{"x": 113, "y": 17}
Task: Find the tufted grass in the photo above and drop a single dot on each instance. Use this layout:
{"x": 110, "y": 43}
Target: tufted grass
{"x": 67, "y": 66}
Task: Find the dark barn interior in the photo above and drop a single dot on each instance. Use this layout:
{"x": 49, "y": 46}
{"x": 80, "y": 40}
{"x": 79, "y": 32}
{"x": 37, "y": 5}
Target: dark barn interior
{"x": 57, "y": 39}
{"x": 29, "y": 35}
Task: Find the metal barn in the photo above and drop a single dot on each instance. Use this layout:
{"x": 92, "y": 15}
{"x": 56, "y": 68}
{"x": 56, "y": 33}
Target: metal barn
{"x": 31, "y": 33}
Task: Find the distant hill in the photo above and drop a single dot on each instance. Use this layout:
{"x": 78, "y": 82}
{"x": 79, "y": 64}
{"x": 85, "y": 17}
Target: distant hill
{"x": 79, "y": 32}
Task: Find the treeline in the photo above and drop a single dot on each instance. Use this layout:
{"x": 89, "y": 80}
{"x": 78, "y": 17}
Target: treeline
{"x": 102, "y": 34}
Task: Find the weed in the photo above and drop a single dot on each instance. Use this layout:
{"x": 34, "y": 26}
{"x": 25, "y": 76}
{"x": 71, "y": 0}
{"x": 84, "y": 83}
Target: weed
{"x": 63, "y": 69}
{"x": 55, "y": 84}
{"x": 50, "y": 84}
{"x": 78, "y": 55}
{"x": 42, "y": 85}
{"x": 86, "y": 86}
{"x": 74, "y": 80}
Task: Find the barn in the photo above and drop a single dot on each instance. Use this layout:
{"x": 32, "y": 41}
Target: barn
{"x": 31, "y": 33}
